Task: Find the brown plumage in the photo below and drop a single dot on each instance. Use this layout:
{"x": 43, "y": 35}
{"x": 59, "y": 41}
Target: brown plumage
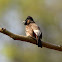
{"x": 33, "y": 30}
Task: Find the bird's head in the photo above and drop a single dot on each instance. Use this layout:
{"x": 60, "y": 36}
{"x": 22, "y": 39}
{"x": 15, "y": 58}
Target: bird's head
{"x": 28, "y": 20}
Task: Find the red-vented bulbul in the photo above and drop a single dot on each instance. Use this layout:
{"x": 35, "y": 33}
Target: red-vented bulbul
{"x": 33, "y": 30}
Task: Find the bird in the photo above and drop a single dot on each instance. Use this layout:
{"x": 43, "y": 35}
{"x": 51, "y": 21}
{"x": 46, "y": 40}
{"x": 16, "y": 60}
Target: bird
{"x": 33, "y": 30}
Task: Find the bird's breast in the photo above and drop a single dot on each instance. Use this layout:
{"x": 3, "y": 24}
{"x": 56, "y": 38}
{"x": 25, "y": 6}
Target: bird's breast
{"x": 29, "y": 31}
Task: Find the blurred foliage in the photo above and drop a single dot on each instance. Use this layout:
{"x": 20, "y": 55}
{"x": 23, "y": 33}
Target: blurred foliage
{"x": 3, "y": 5}
{"x": 47, "y": 14}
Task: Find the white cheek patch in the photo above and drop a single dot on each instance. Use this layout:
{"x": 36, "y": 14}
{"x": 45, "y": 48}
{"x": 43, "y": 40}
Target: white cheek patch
{"x": 37, "y": 32}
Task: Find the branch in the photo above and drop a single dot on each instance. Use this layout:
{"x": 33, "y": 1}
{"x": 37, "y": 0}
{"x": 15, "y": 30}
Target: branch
{"x": 30, "y": 39}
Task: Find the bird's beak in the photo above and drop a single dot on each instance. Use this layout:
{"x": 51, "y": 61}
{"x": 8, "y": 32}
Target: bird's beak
{"x": 23, "y": 21}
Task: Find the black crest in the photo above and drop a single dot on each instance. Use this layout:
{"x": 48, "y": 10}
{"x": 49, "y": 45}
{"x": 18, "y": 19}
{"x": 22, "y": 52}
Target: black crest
{"x": 29, "y": 18}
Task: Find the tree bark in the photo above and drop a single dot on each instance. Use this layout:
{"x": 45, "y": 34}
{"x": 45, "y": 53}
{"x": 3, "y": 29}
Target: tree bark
{"x": 30, "y": 39}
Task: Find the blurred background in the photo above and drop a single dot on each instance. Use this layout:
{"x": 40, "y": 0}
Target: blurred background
{"x": 46, "y": 13}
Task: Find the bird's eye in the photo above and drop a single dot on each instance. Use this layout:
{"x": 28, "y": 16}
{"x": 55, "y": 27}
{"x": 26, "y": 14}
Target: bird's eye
{"x": 26, "y": 19}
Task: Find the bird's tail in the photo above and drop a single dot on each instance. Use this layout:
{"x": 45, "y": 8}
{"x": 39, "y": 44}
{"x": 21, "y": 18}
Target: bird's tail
{"x": 39, "y": 42}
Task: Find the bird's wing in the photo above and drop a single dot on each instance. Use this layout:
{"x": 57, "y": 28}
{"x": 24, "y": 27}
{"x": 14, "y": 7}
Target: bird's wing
{"x": 36, "y": 29}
